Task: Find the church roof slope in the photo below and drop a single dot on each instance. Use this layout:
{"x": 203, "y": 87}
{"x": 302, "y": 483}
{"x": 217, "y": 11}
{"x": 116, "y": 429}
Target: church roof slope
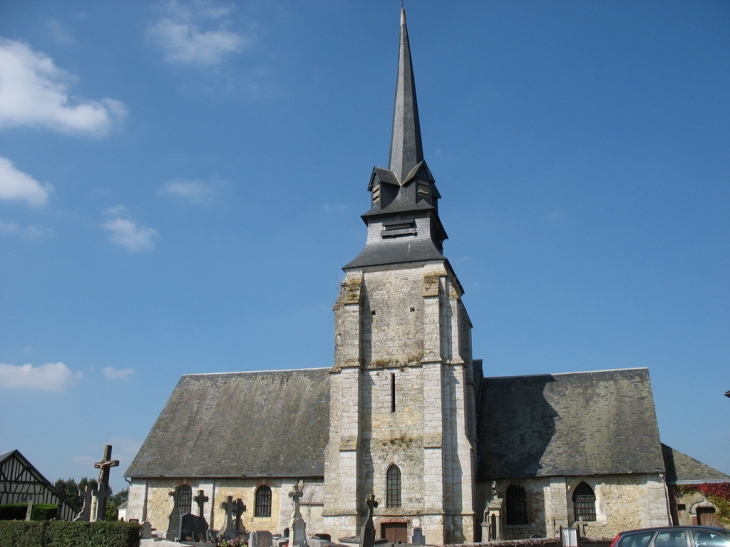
{"x": 254, "y": 424}
{"x": 601, "y": 422}
{"x": 683, "y": 469}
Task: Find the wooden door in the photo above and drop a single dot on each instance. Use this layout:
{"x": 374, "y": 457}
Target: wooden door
{"x": 395, "y": 531}
{"x": 706, "y": 516}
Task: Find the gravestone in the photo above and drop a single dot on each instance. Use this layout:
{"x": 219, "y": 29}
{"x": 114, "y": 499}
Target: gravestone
{"x": 29, "y": 510}
{"x": 260, "y": 538}
{"x": 182, "y": 501}
{"x": 104, "y": 466}
{"x": 417, "y": 536}
{"x": 193, "y": 527}
{"x": 85, "y": 513}
{"x": 146, "y": 532}
{"x": 367, "y": 532}
{"x": 298, "y": 526}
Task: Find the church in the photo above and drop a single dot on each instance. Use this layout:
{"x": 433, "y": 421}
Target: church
{"x": 405, "y": 412}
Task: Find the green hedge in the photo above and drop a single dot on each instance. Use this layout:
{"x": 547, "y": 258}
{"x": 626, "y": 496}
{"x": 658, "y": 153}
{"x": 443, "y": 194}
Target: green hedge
{"x": 61, "y": 533}
{"x": 13, "y": 511}
{"x": 17, "y": 511}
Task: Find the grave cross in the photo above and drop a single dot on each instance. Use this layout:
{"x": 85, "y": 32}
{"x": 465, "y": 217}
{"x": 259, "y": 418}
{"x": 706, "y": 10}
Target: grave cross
{"x": 372, "y": 504}
{"x": 367, "y": 532}
{"x": 238, "y": 508}
{"x": 295, "y": 496}
{"x": 104, "y": 466}
{"x": 200, "y": 499}
{"x": 228, "y": 506}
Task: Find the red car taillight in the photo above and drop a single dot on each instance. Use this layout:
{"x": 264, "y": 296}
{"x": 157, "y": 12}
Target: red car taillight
{"x": 615, "y": 540}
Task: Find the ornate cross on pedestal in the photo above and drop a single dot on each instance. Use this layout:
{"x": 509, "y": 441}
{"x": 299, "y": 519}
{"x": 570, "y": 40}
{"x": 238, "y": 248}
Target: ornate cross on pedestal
{"x": 103, "y": 492}
{"x": 372, "y": 504}
{"x": 295, "y": 495}
{"x": 367, "y": 532}
{"x": 200, "y": 499}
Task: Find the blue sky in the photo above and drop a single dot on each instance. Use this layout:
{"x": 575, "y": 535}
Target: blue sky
{"x": 181, "y": 182}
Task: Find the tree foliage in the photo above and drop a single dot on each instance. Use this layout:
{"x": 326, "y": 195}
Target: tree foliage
{"x": 72, "y": 490}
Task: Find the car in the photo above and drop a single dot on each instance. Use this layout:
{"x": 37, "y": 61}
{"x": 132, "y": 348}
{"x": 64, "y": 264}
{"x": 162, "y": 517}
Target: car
{"x": 674, "y": 536}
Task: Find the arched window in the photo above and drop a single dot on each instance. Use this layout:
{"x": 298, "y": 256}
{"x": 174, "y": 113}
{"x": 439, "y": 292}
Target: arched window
{"x": 584, "y": 503}
{"x": 516, "y": 505}
{"x": 392, "y": 497}
{"x": 263, "y": 501}
{"x": 184, "y": 499}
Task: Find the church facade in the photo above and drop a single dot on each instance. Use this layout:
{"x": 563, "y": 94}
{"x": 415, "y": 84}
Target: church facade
{"x": 405, "y": 413}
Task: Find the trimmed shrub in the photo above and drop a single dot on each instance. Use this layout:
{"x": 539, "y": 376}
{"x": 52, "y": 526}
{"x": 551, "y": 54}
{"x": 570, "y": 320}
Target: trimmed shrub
{"x": 17, "y": 511}
{"x": 61, "y": 533}
{"x": 44, "y": 511}
{"x": 13, "y": 511}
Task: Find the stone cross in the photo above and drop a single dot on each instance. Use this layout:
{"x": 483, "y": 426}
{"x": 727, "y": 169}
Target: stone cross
{"x": 104, "y": 466}
{"x": 228, "y": 506}
{"x": 367, "y": 533}
{"x": 200, "y": 499}
{"x": 238, "y": 508}
{"x": 85, "y": 513}
{"x": 295, "y": 495}
{"x": 372, "y": 504}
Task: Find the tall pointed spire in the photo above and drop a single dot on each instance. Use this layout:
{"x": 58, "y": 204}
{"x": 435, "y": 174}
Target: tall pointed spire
{"x": 406, "y": 150}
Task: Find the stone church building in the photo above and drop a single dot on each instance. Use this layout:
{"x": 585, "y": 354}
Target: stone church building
{"x": 405, "y": 412}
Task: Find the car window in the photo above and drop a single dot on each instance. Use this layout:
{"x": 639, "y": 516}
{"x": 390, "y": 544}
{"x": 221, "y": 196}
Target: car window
{"x": 639, "y": 539}
{"x": 675, "y": 538}
{"x": 707, "y": 538}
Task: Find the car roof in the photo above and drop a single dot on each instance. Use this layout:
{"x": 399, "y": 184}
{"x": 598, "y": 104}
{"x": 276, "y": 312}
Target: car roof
{"x": 681, "y": 527}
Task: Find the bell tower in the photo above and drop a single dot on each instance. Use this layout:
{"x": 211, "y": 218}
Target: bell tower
{"x": 402, "y": 390}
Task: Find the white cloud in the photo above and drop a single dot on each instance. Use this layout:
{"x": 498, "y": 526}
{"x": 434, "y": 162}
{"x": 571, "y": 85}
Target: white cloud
{"x": 194, "y": 191}
{"x": 34, "y": 93}
{"x": 181, "y": 39}
{"x": 49, "y": 377}
{"x": 60, "y": 33}
{"x": 112, "y": 373}
{"x": 126, "y": 232}
{"x": 26, "y": 232}
{"x": 330, "y": 207}
{"x": 15, "y": 184}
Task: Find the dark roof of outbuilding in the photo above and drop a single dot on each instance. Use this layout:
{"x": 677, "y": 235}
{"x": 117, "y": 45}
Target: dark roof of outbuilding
{"x": 682, "y": 469}
{"x": 583, "y": 423}
{"x": 253, "y": 424}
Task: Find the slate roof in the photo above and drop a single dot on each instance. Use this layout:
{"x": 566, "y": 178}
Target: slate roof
{"x": 406, "y": 150}
{"x": 253, "y": 424}
{"x": 682, "y": 469}
{"x": 584, "y": 423}
{"x": 396, "y": 252}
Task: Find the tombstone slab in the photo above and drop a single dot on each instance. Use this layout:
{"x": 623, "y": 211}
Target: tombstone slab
{"x": 260, "y": 538}
{"x": 193, "y": 527}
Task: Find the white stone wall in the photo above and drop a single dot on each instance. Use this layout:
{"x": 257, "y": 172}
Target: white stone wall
{"x": 623, "y": 502}
{"x": 160, "y": 504}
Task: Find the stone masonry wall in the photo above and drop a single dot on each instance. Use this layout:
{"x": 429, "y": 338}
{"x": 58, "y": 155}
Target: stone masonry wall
{"x": 623, "y": 502}
{"x": 401, "y": 394}
{"x": 160, "y": 503}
